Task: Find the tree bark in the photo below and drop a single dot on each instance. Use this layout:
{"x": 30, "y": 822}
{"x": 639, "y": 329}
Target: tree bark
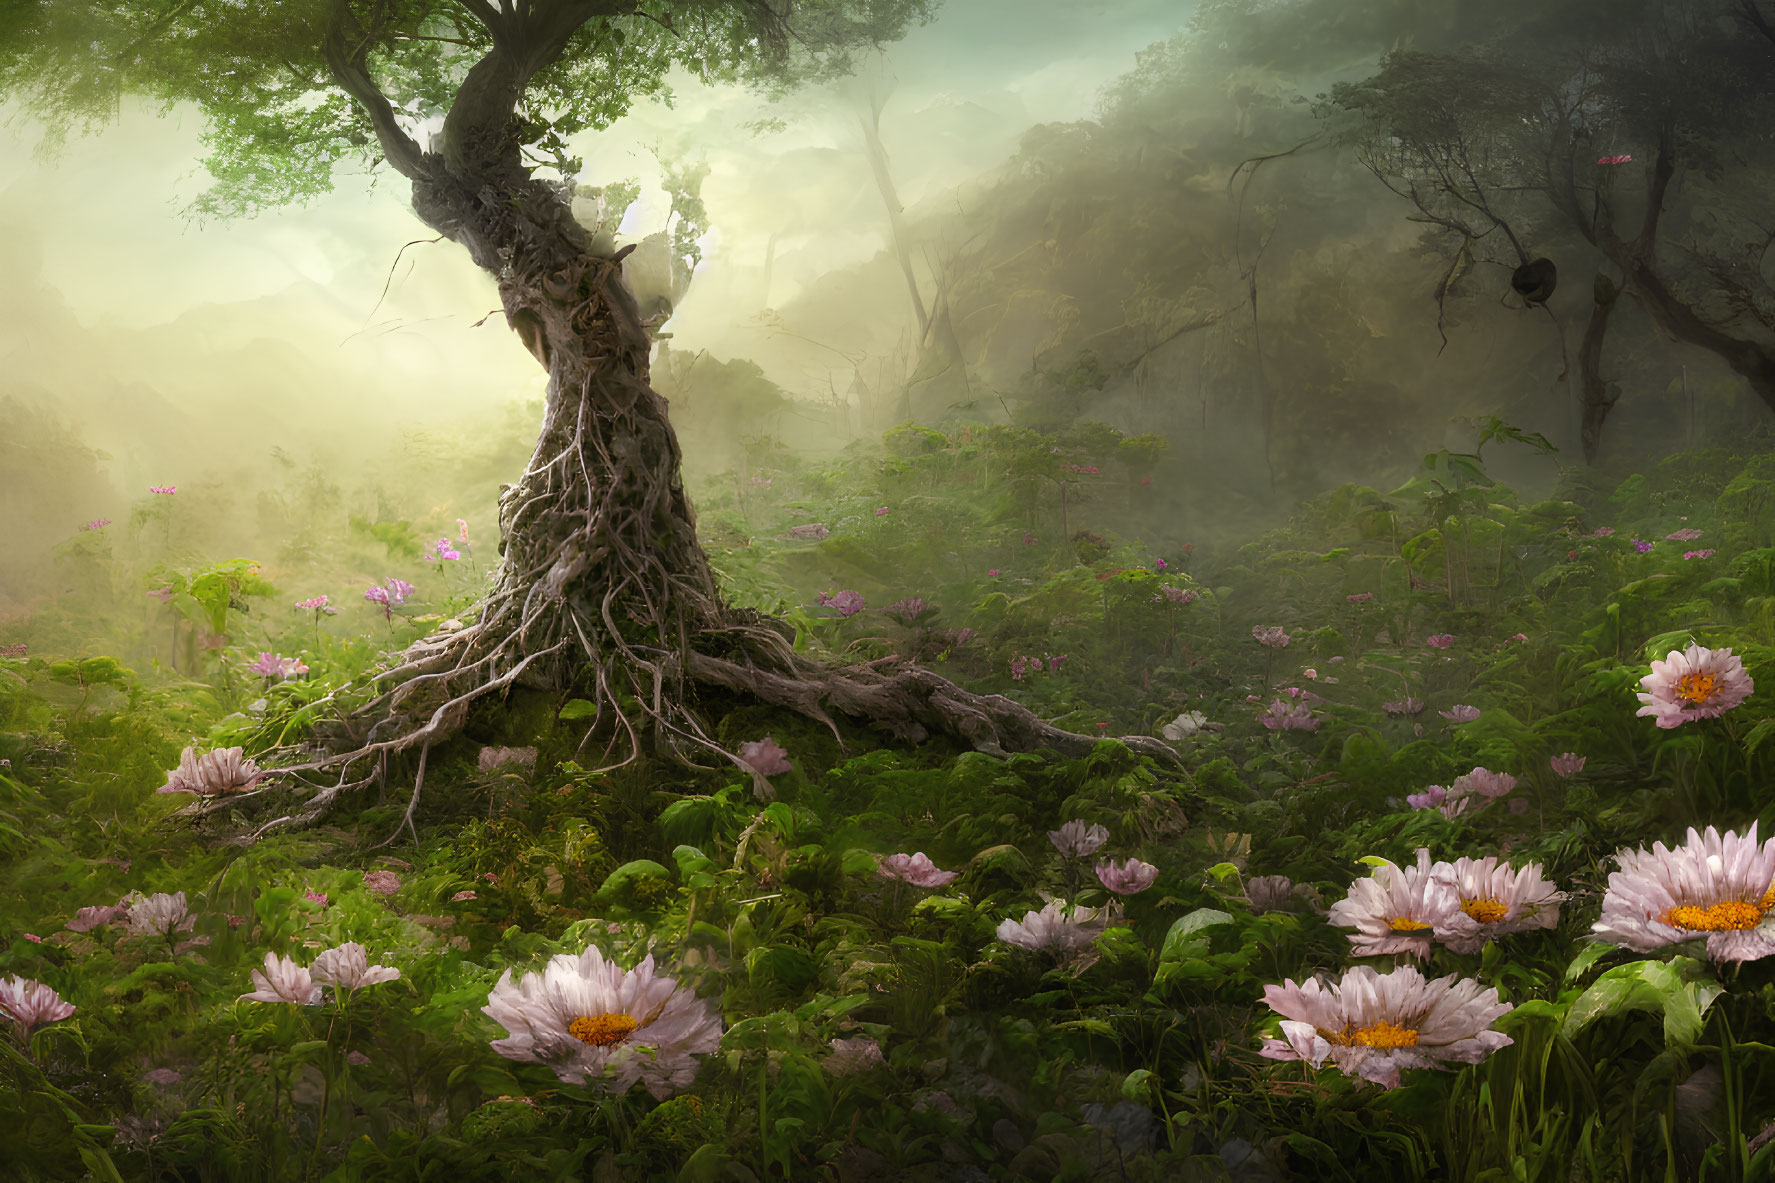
{"x": 1598, "y": 396}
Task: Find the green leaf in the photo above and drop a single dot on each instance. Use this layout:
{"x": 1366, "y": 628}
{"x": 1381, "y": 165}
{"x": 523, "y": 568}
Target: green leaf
{"x": 1587, "y": 957}
{"x": 1137, "y": 1085}
{"x": 1181, "y": 940}
{"x": 577, "y": 708}
{"x": 1682, "y": 988}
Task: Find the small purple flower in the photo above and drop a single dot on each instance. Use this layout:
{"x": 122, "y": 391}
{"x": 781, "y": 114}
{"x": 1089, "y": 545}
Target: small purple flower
{"x": 1271, "y": 636}
{"x": 907, "y": 611}
{"x": 1567, "y": 764}
{"x": 916, "y": 869}
{"x": 445, "y": 551}
{"x": 1160, "y": 565}
{"x": 1127, "y": 878}
{"x": 1440, "y": 640}
{"x": 765, "y": 757}
{"x": 1642, "y": 546}
{"x": 1430, "y": 798}
{"x": 1054, "y": 663}
{"x": 847, "y": 603}
{"x": 398, "y": 590}
{"x": 882, "y": 512}
{"x": 1282, "y": 717}
{"x": 379, "y": 597}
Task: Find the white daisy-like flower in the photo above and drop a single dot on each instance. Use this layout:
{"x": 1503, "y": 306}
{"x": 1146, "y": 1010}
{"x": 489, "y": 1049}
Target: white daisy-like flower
{"x": 282, "y": 980}
{"x": 159, "y": 914}
{"x": 1694, "y": 683}
{"x": 1373, "y": 1025}
{"x": 1717, "y": 886}
{"x": 31, "y": 1004}
{"x": 1494, "y": 899}
{"x": 1056, "y": 929}
{"x": 1184, "y": 726}
{"x": 589, "y": 1019}
{"x": 348, "y": 968}
{"x": 1396, "y": 909}
{"x": 1075, "y": 839}
{"x": 225, "y": 770}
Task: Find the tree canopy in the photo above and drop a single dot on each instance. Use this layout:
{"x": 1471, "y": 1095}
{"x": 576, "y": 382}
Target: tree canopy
{"x": 292, "y": 89}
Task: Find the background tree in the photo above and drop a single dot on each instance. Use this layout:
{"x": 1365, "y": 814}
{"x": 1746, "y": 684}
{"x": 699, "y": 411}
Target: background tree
{"x": 603, "y": 583}
{"x": 1506, "y": 141}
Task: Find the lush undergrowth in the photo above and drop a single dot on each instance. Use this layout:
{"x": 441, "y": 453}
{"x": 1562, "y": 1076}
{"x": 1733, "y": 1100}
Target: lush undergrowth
{"x": 1316, "y": 680}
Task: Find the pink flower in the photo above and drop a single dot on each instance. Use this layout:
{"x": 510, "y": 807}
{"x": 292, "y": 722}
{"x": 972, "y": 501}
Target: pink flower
{"x": 1372, "y": 1025}
{"x": 1520, "y": 638}
{"x": 1282, "y": 717}
{"x": 348, "y": 968}
{"x": 993, "y": 572}
{"x": 316, "y": 897}
{"x": 1713, "y": 886}
{"x": 1699, "y": 554}
{"x": 1180, "y": 596}
{"x": 1440, "y": 640}
{"x": 1696, "y": 683}
{"x": 1460, "y": 713}
{"x": 1060, "y": 930}
{"x": 1431, "y": 798}
{"x": 163, "y": 488}
{"x": 445, "y": 551}
{"x": 916, "y": 869}
{"x": 1602, "y": 532}
{"x": 398, "y": 590}
{"x": 272, "y": 665}
{"x": 1642, "y": 546}
{"x": 882, "y": 512}
{"x": 765, "y": 757}
{"x": 315, "y": 604}
{"x": 1160, "y": 565}
{"x": 1075, "y": 839}
{"x": 1396, "y": 909}
{"x": 1127, "y": 878}
{"x": 17, "y": 650}
{"x": 1568, "y": 764}
{"x": 907, "y": 611}
{"x": 846, "y": 603}
{"x": 97, "y": 524}
{"x": 282, "y": 980}
{"x": 384, "y": 883}
{"x": 1271, "y": 637}
{"x": 1495, "y": 900}
{"x": 97, "y": 916}
{"x": 224, "y": 770}
{"x": 1360, "y": 597}
{"x": 1685, "y": 535}
{"x": 461, "y": 530}
{"x": 31, "y": 1004}
{"x": 1309, "y": 674}
{"x": 32, "y": 937}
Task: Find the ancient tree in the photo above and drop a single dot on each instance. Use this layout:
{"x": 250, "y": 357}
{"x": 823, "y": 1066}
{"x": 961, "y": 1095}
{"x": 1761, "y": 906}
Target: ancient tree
{"x": 603, "y": 587}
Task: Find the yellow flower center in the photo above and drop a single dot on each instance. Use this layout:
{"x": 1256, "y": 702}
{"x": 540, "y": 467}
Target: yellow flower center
{"x": 601, "y": 1030}
{"x": 1697, "y": 688}
{"x": 1381, "y": 1034}
{"x": 1731, "y": 915}
{"x": 1485, "y": 911}
{"x": 1406, "y": 924}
